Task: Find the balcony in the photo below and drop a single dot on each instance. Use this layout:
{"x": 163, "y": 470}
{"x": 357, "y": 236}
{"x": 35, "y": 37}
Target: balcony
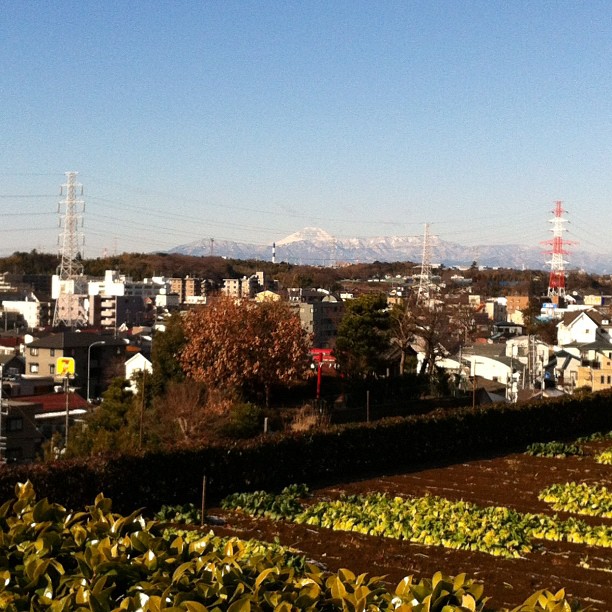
{"x": 594, "y": 365}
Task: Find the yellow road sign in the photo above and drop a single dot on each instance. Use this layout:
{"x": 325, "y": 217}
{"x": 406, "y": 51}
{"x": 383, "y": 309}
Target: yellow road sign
{"x": 65, "y": 366}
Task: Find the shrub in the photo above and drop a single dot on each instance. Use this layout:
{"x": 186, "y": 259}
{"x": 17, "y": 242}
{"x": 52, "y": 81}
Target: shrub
{"x": 245, "y": 421}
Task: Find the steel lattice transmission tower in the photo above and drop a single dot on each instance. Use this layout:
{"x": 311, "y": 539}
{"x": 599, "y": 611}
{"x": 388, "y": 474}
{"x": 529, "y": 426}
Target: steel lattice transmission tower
{"x": 556, "y": 282}
{"x": 69, "y": 284}
{"x": 425, "y": 281}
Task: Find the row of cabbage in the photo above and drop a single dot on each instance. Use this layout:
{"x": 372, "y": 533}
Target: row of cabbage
{"x": 96, "y": 560}
{"x": 579, "y": 498}
{"x": 428, "y": 520}
{"x": 559, "y": 449}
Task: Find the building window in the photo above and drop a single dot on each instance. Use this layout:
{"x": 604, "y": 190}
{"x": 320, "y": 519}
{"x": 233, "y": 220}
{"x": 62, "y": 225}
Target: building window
{"x": 609, "y": 379}
{"x": 52, "y": 369}
{"x": 33, "y": 368}
{"x": 52, "y": 352}
{"x": 14, "y": 424}
{"x": 603, "y": 380}
{"x": 33, "y": 352}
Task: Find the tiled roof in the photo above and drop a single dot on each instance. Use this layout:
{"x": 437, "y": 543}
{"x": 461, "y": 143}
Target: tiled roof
{"x": 7, "y": 358}
{"x": 73, "y": 340}
{"x": 52, "y": 402}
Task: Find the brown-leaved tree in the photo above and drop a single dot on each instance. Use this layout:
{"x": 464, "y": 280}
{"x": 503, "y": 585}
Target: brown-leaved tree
{"x": 245, "y": 346}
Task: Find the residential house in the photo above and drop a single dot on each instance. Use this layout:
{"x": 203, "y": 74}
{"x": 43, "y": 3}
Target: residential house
{"x": 267, "y": 295}
{"x": 583, "y": 326}
{"x": 567, "y": 364}
{"x": 20, "y": 438}
{"x": 489, "y": 361}
{"x": 506, "y": 329}
{"x": 137, "y": 366}
{"x": 595, "y": 369}
{"x": 11, "y": 365}
{"x": 97, "y": 357}
{"x": 52, "y": 409}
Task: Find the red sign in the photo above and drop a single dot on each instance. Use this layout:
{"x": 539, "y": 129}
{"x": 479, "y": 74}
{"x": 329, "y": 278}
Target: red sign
{"x": 322, "y": 355}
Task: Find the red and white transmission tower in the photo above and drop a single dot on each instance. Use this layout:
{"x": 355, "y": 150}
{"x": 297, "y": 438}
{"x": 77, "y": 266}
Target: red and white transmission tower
{"x": 556, "y": 282}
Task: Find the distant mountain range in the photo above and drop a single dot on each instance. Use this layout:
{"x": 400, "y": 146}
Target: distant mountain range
{"x": 314, "y": 246}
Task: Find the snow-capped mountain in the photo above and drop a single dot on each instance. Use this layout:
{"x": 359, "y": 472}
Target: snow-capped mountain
{"x": 315, "y": 246}
{"x": 308, "y": 234}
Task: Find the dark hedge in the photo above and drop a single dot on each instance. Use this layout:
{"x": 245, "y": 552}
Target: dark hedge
{"x": 338, "y": 454}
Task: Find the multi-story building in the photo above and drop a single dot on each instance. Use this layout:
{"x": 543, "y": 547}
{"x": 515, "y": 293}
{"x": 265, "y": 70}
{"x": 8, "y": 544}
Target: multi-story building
{"x": 320, "y": 319}
{"x": 190, "y": 289}
{"x": 515, "y": 304}
{"x": 247, "y": 286}
{"x": 119, "y": 301}
{"x": 496, "y": 309}
{"x": 36, "y": 313}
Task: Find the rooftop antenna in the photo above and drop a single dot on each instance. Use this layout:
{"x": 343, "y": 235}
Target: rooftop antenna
{"x": 71, "y": 285}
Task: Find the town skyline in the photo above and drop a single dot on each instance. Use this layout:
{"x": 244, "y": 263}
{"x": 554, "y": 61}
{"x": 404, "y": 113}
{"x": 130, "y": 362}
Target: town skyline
{"x": 233, "y": 121}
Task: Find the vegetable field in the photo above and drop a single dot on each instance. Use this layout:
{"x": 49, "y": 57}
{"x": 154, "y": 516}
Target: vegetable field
{"x": 518, "y": 523}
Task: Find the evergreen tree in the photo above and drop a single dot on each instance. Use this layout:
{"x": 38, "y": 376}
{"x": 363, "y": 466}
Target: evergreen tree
{"x": 363, "y": 336}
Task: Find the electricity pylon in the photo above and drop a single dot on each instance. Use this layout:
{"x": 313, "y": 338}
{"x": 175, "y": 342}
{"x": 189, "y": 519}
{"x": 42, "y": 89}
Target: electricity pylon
{"x": 69, "y": 284}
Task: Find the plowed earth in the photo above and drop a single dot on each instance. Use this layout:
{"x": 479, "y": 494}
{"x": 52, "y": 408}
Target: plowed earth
{"x": 513, "y": 481}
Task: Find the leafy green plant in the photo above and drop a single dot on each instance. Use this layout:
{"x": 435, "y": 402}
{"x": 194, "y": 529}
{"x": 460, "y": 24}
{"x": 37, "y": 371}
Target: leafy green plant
{"x": 429, "y": 520}
{"x": 546, "y": 601}
{"x": 441, "y": 593}
{"x": 251, "y": 550}
{"x": 52, "y": 559}
{"x": 605, "y": 457}
{"x": 595, "y": 437}
{"x": 186, "y": 514}
{"x": 554, "y": 449}
{"x": 285, "y": 505}
{"x": 579, "y": 498}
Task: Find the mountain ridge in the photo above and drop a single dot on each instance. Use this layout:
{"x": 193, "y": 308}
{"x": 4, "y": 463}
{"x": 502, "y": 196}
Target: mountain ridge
{"x": 315, "y": 246}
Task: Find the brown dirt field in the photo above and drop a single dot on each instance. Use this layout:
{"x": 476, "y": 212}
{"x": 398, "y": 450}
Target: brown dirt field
{"x": 513, "y": 481}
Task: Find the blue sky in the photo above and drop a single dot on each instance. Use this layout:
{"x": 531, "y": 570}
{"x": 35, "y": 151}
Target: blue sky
{"x": 251, "y": 120}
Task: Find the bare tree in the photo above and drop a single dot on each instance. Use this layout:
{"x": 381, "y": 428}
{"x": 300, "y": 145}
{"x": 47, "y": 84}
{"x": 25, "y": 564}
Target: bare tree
{"x": 428, "y": 325}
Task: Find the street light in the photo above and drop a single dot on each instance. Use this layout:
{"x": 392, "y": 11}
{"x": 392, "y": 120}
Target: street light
{"x": 89, "y": 362}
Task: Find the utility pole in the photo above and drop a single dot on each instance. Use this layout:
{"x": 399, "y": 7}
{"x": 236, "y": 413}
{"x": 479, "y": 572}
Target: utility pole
{"x": 142, "y": 407}
{"x": 69, "y": 284}
{"x": 3, "y": 414}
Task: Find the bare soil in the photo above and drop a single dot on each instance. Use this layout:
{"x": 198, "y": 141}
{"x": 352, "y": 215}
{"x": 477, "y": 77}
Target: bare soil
{"x": 513, "y": 481}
